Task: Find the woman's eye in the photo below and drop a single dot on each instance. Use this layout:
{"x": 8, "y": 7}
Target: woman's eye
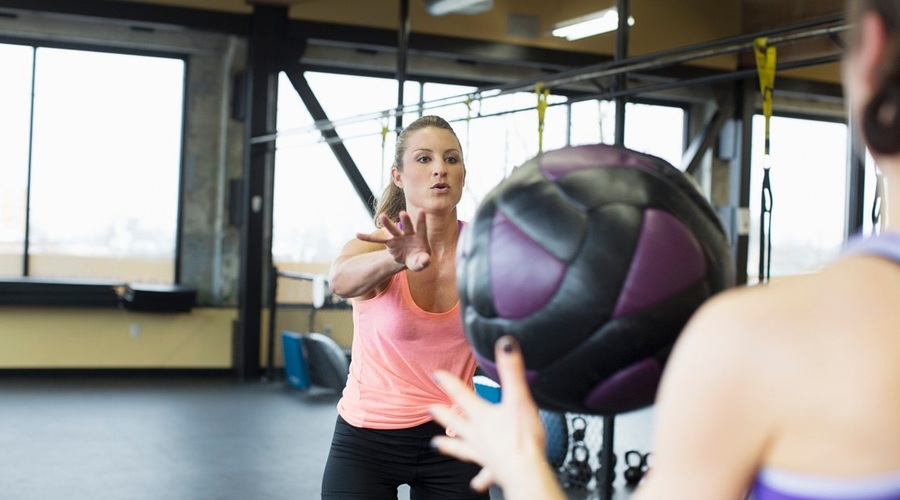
{"x": 452, "y": 160}
{"x": 422, "y": 159}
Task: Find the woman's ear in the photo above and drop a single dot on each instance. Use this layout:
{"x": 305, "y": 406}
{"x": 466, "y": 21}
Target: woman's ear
{"x": 395, "y": 177}
{"x": 872, "y": 50}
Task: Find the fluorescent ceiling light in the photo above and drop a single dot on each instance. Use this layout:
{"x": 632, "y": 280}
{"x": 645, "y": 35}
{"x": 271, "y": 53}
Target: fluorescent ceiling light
{"x": 441, "y": 7}
{"x": 602, "y": 21}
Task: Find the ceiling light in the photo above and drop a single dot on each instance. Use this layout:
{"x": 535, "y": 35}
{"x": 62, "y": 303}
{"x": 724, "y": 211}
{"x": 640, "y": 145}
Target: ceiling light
{"x": 602, "y": 21}
{"x": 441, "y": 7}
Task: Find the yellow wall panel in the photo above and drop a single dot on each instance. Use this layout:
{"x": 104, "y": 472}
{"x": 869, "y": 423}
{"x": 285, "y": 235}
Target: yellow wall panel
{"x": 37, "y": 337}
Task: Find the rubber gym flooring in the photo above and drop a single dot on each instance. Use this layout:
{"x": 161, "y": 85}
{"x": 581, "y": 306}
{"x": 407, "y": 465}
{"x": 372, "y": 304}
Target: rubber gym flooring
{"x": 184, "y": 438}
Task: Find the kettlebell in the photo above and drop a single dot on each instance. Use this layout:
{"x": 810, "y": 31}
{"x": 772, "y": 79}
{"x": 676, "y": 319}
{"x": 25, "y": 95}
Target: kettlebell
{"x": 579, "y": 427}
{"x": 636, "y": 466}
{"x": 578, "y": 471}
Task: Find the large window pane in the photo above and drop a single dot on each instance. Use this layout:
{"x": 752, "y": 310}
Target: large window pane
{"x": 105, "y": 165}
{"x": 316, "y": 208}
{"x": 447, "y": 102}
{"x": 15, "y": 104}
{"x": 593, "y": 122}
{"x": 651, "y": 129}
{"x": 655, "y": 130}
{"x": 809, "y": 185}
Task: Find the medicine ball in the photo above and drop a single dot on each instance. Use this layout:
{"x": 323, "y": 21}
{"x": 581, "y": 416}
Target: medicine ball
{"x": 593, "y": 258}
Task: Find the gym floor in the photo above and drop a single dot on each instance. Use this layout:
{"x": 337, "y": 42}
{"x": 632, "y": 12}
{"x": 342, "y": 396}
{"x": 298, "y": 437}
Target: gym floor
{"x": 185, "y": 438}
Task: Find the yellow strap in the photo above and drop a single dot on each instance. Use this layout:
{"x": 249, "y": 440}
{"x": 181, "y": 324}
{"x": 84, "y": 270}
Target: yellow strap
{"x": 765, "y": 65}
{"x": 542, "y": 95}
{"x": 384, "y": 133}
{"x": 384, "y": 129}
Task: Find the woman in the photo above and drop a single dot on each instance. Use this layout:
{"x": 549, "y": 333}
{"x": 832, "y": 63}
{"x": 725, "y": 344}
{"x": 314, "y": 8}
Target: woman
{"x": 787, "y": 391}
{"x": 402, "y": 279}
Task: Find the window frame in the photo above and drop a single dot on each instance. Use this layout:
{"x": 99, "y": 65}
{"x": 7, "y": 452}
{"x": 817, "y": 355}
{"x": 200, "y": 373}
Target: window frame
{"x": 755, "y": 192}
{"x": 26, "y": 289}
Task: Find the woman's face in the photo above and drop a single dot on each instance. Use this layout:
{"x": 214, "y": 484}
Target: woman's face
{"x": 433, "y": 174}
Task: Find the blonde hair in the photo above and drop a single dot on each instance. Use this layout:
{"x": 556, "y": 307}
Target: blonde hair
{"x": 393, "y": 200}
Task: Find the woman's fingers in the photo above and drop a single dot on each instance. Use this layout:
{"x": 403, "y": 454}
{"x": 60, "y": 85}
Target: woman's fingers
{"x": 388, "y": 224}
{"x": 418, "y": 261}
{"x": 454, "y": 447}
{"x": 464, "y": 397}
{"x": 370, "y": 238}
{"x": 483, "y": 480}
{"x": 420, "y": 224}
{"x": 444, "y": 415}
{"x": 511, "y": 369}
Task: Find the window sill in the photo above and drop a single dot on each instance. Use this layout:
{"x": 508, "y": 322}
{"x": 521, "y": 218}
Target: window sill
{"x": 95, "y": 293}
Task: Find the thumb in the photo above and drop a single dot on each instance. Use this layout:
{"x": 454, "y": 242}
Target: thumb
{"x": 418, "y": 261}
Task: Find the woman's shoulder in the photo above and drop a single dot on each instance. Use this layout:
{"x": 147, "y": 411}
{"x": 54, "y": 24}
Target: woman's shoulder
{"x": 782, "y": 299}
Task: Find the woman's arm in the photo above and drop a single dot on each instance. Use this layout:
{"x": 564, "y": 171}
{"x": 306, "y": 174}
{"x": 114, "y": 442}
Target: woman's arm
{"x": 506, "y": 439}
{"x": 711, "y": 420}
{"x": 371, "y": 259}
{"x": 711, "y": 423}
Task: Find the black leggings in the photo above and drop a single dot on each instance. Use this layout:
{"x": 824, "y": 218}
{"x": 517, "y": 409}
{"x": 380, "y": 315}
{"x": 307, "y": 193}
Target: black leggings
{"x": 370, "y": 464}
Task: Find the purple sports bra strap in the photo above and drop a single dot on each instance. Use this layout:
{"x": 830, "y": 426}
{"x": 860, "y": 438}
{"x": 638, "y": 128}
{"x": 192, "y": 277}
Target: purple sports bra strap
{"x": 885, "y": 245}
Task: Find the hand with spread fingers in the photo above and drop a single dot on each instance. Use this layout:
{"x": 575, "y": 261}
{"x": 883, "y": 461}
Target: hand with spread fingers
{"x": 408, "y": 243}
{"x": 506, "y": 439}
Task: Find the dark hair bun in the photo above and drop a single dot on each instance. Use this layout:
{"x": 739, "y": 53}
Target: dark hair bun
{"x": 881, "y": 119}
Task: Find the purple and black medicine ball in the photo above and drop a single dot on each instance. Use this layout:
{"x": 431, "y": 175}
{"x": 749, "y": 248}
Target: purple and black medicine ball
{"x": 593, "y": 258}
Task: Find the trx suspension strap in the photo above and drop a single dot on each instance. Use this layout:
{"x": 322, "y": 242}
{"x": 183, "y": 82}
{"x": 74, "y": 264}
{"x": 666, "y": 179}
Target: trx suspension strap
{"x": 384, "y": 133}
{"x": 765, "y": 65}
{"x": 542, "y": 95}
{"x": 877, "y": 202}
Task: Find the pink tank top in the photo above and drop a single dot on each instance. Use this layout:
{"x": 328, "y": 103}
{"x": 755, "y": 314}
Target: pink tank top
{"x": 396, "y": 348}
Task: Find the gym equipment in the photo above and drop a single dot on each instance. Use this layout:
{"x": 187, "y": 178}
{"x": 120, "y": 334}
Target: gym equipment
{"x": 578, "y": 472}
{"x": 314, "y": 360}
{"x": 593, "y": 258}
{"x": 556, "y": 430}
{"x": 321, "y": 299}
{"x": 487, "y": 388}
{"x": 579, "y": 427}
{"x": 637, "y": 466}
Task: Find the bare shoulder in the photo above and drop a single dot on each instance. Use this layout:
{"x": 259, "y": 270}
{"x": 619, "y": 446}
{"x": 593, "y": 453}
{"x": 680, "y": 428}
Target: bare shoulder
{"x": 708, "y": 429}
{"x": 746, "y": 313}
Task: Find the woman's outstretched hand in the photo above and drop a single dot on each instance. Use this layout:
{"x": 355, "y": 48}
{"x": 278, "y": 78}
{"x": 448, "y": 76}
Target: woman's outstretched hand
{"x": 409, "y": 245}
{"x": 506, "y": 439}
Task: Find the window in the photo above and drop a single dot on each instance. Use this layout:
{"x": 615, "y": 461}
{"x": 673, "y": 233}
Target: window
{"x": 651, "y": 129}
{"x": 104, "y": 167}
{"x": 809, "y": 185}
{"x": 496, "y": 133}
{"x": 316, "y": 209}
{"x": 15, "y": 104}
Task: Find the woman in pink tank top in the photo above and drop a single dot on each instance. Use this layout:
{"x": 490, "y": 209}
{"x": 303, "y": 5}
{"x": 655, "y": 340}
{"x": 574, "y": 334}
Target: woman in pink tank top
{"x": 784, "y": 391}
{"x": 402, "y": 282}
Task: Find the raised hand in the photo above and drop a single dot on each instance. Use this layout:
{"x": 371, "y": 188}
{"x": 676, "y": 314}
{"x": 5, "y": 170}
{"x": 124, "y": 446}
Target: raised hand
{"x": 506, "y": 439}
{"x": 409, "y": 245}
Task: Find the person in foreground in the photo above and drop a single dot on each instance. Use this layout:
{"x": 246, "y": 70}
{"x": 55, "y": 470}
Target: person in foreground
{"x": 789, "y": 391}
{"x": 406, "y": 325}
